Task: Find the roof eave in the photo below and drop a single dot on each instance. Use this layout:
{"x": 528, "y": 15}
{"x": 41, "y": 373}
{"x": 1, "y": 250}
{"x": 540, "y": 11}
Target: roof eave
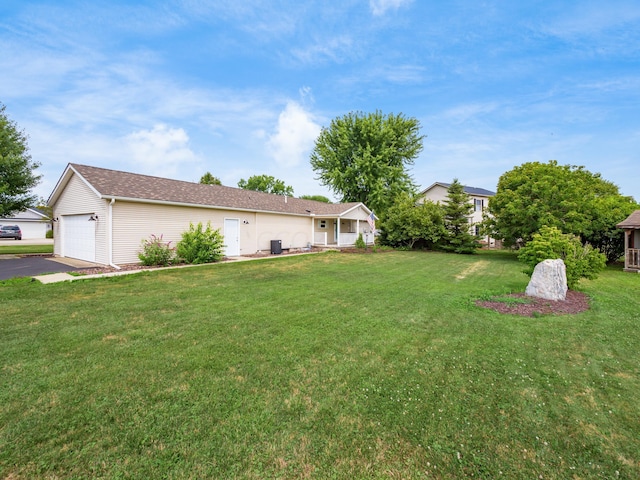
{"x": 200, "y": 205}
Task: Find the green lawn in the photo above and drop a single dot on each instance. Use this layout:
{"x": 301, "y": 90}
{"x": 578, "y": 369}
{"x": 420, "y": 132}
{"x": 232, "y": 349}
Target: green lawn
{"x": 319, "y": 366}
{"x": 19, "y": 249}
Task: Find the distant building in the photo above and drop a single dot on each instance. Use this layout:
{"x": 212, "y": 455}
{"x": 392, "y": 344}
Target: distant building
{"x": 479, "y": 197}
{"x": 32, "y": 222}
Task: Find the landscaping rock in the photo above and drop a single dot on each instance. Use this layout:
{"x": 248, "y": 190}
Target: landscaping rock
{"x": 549, "y": 281}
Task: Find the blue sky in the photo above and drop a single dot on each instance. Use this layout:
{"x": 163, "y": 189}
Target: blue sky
{"x": 176, "y": 88}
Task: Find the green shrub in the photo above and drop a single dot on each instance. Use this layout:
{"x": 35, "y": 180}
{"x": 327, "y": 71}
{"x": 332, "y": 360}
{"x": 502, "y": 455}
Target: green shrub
{"x": 581, "y": 261}
{"x": 156, "y": 252}
{"x": 360, "y": 242}
{"x": 49, "y": 234}
{"x": 200, "y": 245}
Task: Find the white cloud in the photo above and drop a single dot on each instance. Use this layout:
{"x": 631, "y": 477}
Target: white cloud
{"x": 380, "y": 7}
{"x": 161, "y": 150}
{"x": 335, "y": 50}
{"x": 468, "y": 112}
{"x": 294, "y": 137}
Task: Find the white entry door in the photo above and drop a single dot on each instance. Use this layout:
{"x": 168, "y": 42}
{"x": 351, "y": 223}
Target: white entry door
{"x": 232, "y": 237}
{"x": 79, "y": 237}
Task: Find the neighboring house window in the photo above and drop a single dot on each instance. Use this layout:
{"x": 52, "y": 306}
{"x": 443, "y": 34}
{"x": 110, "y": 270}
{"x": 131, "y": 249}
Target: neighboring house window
{"x": 477, "y": 230}
{"x": 322, "y": 223}
{"x": 478, "y": 204}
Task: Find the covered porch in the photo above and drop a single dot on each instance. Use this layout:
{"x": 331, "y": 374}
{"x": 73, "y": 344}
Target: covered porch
{"x": 343, "y": 231}
{"x": 631, "y": 227}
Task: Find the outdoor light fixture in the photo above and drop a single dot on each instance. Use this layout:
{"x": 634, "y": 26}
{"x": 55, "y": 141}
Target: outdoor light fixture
{"x": 93, "y": 218}
{"x": 246, "y": 222}
{"x": 55, "y": 220}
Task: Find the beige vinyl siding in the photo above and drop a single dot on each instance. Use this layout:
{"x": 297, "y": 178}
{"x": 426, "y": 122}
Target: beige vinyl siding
{"x": 134, "y": 222}
{"x": 437, "y": 194}
{"x": 357, "y": 213}
{"x": 293, "y": 231}
{"x": 440, "y": 194}
{"x": 78, "y": 199}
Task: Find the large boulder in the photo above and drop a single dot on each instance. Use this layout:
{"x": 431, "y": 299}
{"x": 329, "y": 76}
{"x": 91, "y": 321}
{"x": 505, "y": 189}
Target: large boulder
{"x": 549, "y": 281}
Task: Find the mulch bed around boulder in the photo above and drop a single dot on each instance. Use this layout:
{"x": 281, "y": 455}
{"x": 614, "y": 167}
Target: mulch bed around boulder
{"x": 575, "y": 302}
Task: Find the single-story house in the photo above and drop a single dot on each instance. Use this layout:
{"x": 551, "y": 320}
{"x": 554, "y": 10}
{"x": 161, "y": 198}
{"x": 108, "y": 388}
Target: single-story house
{"x": 479, "y": 197}
{"x": 32, "y": 222}
{"x": 631, "y": 227}
{"x": 103, "y": 215}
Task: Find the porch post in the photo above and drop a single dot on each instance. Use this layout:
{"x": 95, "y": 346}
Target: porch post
{"x": 338, "y": 229}
{"x": 626, "y": 248}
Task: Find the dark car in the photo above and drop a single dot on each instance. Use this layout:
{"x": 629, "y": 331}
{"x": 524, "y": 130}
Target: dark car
{"x": 11, "y": 231}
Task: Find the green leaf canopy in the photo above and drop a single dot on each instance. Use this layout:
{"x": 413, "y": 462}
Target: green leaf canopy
{"x": 364, "y": 157}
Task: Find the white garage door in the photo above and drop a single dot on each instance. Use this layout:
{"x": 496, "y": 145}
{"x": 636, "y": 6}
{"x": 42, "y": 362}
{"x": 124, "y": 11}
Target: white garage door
{"x": 79, "y": 237}
{"x": 33, "y": 229}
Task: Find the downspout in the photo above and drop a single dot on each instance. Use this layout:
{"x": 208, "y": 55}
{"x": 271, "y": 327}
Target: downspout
{"x": 110, "y": 233}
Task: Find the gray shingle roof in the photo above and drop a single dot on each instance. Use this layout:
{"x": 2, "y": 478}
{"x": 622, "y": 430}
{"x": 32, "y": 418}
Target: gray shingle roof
{"x": 632, "y": 221}
{"x": 481, "y": 192}
{"x": 133, "y": 186}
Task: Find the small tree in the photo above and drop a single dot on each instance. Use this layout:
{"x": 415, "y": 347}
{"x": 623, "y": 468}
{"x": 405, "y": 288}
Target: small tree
{"x": 360, "y": 242}
{"x": 267, "y": 184}
{"x": 581, "y": 261}
{"x": 209, "y": 179}
{"x": 200, "y": 245}
{"x": 408, "y": 223}
{"x": 457, "y": 210}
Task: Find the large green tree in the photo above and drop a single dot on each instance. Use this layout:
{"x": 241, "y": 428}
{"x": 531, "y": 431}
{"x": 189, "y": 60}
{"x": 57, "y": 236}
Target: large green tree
{"x": 17, "y": 176}
{"x": 457, "y": 210}
{"x": 267, "y": 184}
{"x": 364, "y": 157}
{"x": 567, "y": 197}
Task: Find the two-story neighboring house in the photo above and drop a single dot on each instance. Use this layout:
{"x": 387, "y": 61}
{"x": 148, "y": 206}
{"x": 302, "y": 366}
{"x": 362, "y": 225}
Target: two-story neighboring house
{"x": 479, "y": 197}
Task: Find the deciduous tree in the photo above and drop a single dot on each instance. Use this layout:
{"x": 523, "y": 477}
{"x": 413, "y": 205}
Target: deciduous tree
{"x": 364, "y": 157}
{"x": 408, "y": 223}
{"x": 570, "y": 198}
{"x": 267, "y": 184}
{"x": 17, "y": 176}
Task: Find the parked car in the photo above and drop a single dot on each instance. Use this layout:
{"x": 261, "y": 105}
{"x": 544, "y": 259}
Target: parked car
{"x": 10, "y": 231}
